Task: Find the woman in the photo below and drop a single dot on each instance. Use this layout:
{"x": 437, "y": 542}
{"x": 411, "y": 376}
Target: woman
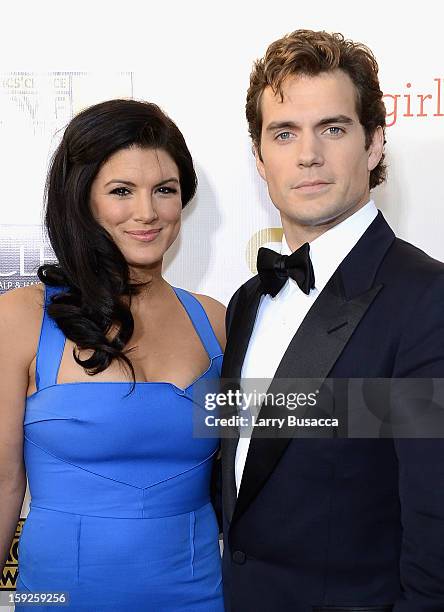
{"x": 120, "y": 513}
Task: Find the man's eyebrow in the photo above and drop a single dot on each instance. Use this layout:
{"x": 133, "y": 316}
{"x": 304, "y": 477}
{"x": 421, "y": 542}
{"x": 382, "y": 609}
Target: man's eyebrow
{"x": 344, "y": 119}
{"x": 172, "y": 179}
{"x": 279, "y": 125}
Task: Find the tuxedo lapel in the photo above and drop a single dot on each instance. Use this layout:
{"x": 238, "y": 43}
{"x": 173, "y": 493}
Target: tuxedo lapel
{"x": 317, "y": 345}
{"x": 312, "y": 353}
{"x": 243, "y": 319}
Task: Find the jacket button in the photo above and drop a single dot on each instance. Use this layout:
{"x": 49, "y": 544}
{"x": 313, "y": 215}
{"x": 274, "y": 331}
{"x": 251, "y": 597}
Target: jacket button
{"x": 239, "y": 557}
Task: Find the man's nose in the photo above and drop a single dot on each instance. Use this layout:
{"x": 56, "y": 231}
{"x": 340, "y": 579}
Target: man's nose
{"x": 309, "y": 152}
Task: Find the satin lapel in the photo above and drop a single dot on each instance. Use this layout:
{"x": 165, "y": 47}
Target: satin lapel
{"x": 319, "y": 342}
{"x": 243, "y": 319}
{"x": 242, "y": 325}
{"x": 229, "y": 493}
{"x": 312, "y": 353}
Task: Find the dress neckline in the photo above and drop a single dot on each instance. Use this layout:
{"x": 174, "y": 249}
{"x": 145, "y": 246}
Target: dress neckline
{"x": 179, "y": 390}
{"x": 194, "y": 310}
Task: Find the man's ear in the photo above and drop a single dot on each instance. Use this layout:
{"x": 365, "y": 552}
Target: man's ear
{"x": 376, "y": 148}
{"x": 259, "y": 163}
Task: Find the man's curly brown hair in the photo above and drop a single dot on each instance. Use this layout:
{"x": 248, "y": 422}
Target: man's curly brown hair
{"x": 309, "y": 53}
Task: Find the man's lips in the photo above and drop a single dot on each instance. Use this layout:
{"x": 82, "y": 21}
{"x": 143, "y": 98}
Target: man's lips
{"x": 312, "y": 186}
{"x": 144, "y": 235}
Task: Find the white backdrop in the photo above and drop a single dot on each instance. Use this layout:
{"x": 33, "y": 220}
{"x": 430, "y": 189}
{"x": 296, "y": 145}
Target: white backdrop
{"x": 194, "y": 60}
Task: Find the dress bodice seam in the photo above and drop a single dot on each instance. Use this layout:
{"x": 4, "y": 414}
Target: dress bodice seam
{"x": 28, "y": 439}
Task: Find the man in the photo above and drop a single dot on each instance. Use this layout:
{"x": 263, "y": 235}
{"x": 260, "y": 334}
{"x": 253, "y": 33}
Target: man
{"x": 331, "y": 524}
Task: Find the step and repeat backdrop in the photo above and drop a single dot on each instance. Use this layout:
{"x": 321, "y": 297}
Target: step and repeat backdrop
{"x": 194, "y": 61}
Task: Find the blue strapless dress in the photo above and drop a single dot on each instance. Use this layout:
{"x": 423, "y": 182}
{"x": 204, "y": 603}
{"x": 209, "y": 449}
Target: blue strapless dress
{"x": 120, "y": 514}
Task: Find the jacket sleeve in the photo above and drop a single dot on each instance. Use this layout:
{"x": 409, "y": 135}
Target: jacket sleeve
{"x": 421, "y": 465}
{"x": 231, "y": 309}
{"x": 216, "y": 480}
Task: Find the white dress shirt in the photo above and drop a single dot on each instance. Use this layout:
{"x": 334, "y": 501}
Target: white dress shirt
{"x": 278, "y": 319}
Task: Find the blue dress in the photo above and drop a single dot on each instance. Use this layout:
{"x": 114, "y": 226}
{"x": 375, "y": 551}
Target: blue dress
{"x": 120, "y": 514}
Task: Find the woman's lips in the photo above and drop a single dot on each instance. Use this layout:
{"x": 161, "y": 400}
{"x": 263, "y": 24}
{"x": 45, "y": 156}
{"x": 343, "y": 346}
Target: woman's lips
{"x": 144, "y": 235}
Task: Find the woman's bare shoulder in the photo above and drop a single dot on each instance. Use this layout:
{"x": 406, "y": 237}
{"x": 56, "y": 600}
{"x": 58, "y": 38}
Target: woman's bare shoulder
{"x": 21, "y": 312}
{"x": 22, "y": 299}
{"x": 20, "y": 319}
{"x": 216, "y": 313}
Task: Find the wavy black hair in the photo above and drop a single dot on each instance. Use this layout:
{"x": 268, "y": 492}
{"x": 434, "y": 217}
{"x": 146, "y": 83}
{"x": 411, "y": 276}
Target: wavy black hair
{"x": 91, "y": 269}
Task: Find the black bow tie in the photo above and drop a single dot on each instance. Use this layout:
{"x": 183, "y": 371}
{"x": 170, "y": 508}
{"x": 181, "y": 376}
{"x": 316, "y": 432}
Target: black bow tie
{"x": 274, "y": 269}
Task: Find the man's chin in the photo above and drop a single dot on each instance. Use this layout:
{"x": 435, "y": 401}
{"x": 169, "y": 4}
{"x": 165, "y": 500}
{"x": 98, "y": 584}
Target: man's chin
{"x": 311, "y": 219}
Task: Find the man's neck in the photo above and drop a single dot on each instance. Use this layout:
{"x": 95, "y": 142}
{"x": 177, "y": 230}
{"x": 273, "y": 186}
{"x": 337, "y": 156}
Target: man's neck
{"x": 297, "y": 234}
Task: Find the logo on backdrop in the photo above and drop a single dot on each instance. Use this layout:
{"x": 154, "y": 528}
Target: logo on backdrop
{"x": 50, "y": 99}
{"x": 8, "y": 578}
{"x": 413, "y": 104}
{"x": 268, "y": 236}
{"x": 23, "y": 248}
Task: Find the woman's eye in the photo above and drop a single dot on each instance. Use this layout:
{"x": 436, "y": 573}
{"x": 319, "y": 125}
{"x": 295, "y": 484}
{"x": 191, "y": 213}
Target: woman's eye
{"x": 167, "y": 190}
{"x": 121, "y": 191}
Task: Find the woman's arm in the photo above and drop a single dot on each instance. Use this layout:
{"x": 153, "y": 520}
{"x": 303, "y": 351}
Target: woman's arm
{"x": 20, "y": 311}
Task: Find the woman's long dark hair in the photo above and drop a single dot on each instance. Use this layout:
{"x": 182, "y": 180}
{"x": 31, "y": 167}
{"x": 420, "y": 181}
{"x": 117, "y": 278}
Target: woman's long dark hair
{"x": 91, "y": 269}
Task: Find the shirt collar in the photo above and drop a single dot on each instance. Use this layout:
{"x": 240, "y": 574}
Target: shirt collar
{"x": 329, "y": 249}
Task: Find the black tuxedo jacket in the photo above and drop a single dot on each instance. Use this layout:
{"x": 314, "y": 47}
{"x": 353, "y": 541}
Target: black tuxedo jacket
{"x": 343, "y": 524}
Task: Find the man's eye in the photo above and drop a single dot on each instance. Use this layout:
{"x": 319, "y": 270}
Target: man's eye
{"x": 121, "y": 191}
{"x": 283, "y": 136}
{"x": 334, "y": 131}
